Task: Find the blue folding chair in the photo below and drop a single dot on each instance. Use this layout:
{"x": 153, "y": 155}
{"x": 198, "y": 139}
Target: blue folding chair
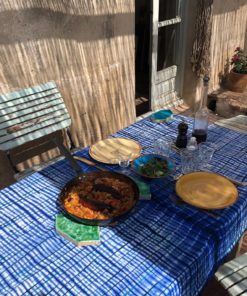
{"x": 30, "y": 114}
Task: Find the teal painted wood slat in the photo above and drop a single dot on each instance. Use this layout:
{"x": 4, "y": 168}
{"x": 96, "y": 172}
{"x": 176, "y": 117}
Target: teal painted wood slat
{"x": 231, "y": 266}
{"x": 19, "y": 130}
{"x": 23, "y": 122}
{"x": 235, "y": 277}
{"x": 31, "y": 113}
{"x": 18, "y": 113}
{"x": 238, "y": 288}
{"x": 15, "y": 142}
{"x": 27, "y": 91}
{"x": 45, "y": 96}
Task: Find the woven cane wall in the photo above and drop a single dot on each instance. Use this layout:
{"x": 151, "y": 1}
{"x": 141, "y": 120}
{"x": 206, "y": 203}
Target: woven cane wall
{"x": 85, "y": 46}
{"x": 229, "y": 23}
{"x": 229, "y": 30}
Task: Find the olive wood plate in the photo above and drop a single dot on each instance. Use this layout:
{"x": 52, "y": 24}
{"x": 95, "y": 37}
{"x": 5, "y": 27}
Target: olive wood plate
{"x": 108, "y": 150}
{"x": 206, "y": 190}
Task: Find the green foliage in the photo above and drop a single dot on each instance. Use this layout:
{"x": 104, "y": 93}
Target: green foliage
{"x": 239, "y": 61}
{"x": 155, "y": 167}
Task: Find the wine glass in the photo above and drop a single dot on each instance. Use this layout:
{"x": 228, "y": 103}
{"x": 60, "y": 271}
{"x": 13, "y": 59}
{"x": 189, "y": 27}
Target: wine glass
{"x": 123, "y": 159}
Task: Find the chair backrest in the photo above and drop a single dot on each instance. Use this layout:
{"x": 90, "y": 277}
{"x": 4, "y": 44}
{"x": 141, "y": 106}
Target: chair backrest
{"x": 31, "y": 113}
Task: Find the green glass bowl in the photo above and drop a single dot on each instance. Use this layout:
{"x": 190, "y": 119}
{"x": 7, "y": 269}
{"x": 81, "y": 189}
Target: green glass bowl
{"x": 162, "y": 116}
{"x": 142, "y": 160}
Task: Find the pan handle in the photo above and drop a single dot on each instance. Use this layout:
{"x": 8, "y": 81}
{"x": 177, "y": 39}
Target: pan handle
{"x": 89, "y": 162}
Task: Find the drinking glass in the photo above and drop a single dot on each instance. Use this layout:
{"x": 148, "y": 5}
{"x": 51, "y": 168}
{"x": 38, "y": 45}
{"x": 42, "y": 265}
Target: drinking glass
{"x": 206, "y": 152}
{"x": 189, "y": 161}
{"x": 162, "y": 147}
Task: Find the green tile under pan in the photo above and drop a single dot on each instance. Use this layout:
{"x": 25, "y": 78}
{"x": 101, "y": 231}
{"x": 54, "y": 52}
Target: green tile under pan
{"x": 78, "y": 234}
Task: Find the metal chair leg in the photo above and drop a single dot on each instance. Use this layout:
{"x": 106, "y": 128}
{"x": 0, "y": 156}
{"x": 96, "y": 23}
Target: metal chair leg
{"x": 63, "y": 150}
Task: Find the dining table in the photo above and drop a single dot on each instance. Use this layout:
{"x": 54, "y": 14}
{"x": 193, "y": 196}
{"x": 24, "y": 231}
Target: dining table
{"x": 161, "y": 248}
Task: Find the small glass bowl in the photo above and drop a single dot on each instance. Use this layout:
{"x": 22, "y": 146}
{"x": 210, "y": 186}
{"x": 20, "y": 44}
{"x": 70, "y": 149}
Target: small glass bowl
{"x": 144, "y": 159}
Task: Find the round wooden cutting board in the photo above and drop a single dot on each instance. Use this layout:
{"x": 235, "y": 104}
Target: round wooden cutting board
{"x": 108, "y": 150}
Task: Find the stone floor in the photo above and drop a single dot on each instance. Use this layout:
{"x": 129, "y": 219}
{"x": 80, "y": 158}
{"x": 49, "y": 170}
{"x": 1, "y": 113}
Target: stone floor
{"x": 185, "y": 110}
{"x": 227, "y": 103}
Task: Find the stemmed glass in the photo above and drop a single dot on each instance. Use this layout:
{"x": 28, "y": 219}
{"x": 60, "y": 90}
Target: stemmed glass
{"x": 123, "y": 159}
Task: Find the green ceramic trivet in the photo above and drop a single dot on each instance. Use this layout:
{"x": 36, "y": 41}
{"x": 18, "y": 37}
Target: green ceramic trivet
{"x": 78, "y": 234}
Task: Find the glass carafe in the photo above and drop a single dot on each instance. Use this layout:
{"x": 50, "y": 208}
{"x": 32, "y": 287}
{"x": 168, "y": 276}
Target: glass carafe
{"x": 200, "y": 128}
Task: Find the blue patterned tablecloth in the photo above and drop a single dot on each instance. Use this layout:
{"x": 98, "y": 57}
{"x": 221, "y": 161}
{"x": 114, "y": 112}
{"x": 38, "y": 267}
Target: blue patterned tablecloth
{"x": 161, "y": 249}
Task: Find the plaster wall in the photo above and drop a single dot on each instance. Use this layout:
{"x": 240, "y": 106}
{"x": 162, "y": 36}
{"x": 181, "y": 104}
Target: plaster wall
{"x": 190, "y": 82}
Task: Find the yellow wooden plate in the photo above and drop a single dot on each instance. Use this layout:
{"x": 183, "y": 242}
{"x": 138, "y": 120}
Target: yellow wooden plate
{"x": 206, "y": 190}
{"x": 108, "y": 150}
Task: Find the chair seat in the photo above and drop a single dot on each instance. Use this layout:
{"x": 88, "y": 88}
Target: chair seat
{"x": 233, "y": 276}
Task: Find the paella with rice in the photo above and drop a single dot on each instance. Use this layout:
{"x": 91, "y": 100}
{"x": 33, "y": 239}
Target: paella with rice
{"x": 99, "y": 198}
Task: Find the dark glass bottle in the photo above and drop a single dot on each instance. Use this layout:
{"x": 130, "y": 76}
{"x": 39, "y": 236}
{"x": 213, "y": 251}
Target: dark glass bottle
{"x": 181, "y": 141}
{"x": 200, "y": 128}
